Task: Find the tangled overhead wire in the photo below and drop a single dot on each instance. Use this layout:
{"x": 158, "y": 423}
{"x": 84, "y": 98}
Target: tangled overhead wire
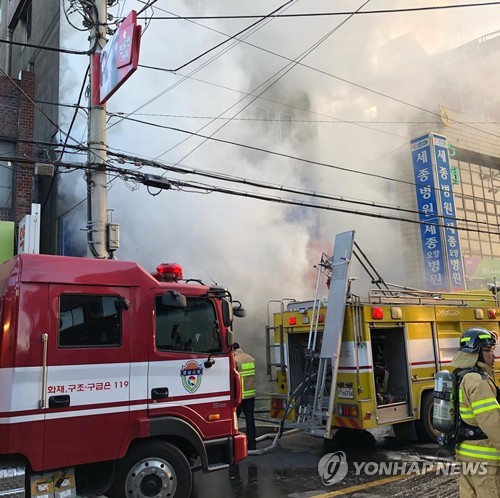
{"x": 87, "y": 10}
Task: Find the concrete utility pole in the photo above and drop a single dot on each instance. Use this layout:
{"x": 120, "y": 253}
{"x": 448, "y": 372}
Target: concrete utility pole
{"x": 97, "y": 147}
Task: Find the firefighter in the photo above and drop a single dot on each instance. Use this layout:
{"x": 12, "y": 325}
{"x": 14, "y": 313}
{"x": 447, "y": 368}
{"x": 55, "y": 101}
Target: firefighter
{"x": 479, "y": 412}
{"x": 246, "y": 367}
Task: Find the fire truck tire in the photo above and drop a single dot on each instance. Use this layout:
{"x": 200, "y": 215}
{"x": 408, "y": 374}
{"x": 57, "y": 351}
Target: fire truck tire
{"x": 155, "y": 468}
{"x": 423, "y": 427}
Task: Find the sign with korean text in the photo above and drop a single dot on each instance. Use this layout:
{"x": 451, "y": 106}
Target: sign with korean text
{"x": 427, "y": 202}
{"x": 482, "y": 268}
{"x": 119, "y": 57}
{"x": 446, "y": 208}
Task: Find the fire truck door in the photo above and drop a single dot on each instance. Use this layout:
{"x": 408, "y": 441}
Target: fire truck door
{"x": 88, "y": 374}
{"x": 189, "y": 374}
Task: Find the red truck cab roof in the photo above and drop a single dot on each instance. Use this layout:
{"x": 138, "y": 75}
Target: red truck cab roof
{"x": 41, "y": 268}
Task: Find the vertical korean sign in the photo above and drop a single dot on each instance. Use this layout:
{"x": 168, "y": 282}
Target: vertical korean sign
{"x": 432, "y": 244}
{"x": 446, "y": 208}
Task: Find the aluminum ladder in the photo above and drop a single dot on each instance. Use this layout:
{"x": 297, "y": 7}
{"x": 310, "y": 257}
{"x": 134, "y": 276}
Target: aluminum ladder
{"x": 321, "y": 409}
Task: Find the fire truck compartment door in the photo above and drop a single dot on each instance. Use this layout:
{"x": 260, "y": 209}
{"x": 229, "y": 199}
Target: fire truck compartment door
{"x": 88, "y": 374}
{"x": 391, "y": 373}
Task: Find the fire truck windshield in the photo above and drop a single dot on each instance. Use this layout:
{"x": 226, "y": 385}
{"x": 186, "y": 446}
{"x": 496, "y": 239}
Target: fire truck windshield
{"x": 193, "y": 328}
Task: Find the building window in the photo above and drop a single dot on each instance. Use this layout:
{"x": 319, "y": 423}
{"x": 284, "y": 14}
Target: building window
{"x": 476, "y": 199}
{"x": 6, "y": 150}
{"x": 286, "y": 126}
{"x": 25, "y": 24}
{"x": 262, "y": 117}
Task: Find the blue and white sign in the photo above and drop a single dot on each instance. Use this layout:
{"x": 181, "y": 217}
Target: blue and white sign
{"x": 427, "y": 203}
{"x": 446, "y": 208}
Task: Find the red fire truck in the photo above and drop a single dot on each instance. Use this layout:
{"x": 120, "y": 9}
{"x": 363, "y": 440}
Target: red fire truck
{"x": 114, "y": 378}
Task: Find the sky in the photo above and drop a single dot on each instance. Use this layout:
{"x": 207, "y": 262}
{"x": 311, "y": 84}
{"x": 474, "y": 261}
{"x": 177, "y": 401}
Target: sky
{"x": 265, "y": 251}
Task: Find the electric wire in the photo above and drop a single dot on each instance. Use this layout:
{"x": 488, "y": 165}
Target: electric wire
{"x": 73, "y": 7}
{"x": 73, "y": 119}
{"x": 182, "y": 185}
{"x": 194, "y": 186}
{"x": 154, "y": 163}
{"x": 120, "y": 114}
{"x": 227, "y": 109}
{"x": 50, "y": 49}
{"x": 272, "y": 81}
{"x": 248, "y": 34}
{"x": 230, "y": 37}
{"x": 146, "y": 6}
{"x": 325, "y": 73}
{"x": 194, "y": 71}
{"x": 293, "y": 202}
{"x": 276, "y": 153}
{"x": 344, "y": 13}
{"x": 49, "y": 119}
{"x": 182, "y": 169}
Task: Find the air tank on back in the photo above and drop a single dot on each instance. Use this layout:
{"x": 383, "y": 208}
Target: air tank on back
{"x": 444, "y": 413}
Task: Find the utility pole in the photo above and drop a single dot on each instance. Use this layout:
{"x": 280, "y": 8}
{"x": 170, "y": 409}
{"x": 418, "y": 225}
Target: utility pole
{"x": 97, "y": 147}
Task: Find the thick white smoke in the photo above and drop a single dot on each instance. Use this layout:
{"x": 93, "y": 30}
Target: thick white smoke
{"x": 262, "y": 250}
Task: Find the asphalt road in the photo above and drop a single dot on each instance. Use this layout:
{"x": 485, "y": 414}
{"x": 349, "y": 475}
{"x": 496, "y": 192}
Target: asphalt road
{"x": 381, "y": 466}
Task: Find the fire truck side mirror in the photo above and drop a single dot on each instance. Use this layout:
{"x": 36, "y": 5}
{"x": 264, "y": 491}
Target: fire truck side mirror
{"x": 238, "y": 310}
{"x": 227, "y": 312}
{"x": 173, "y": 299}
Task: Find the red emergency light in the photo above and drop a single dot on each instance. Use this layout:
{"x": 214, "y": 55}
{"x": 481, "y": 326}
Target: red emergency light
{"x": 377, "y": 313}
{"x": 170, "y": 272}
{"x": 292, "y": 320}
{"x": 321, "y": 318}
{"x": 492, "y": 313}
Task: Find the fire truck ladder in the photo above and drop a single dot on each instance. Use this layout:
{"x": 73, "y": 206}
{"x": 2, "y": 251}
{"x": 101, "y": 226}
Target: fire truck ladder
{"x": 321, "y": 408}
{"x": 311, "y": 353}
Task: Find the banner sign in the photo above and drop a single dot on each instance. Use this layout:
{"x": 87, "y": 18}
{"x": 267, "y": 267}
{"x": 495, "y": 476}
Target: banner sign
{"x": 446, "y": 208}
{"x": 482, "y": 268}
{"x": 119, "y": 57}
{"x": 432, "y": 244}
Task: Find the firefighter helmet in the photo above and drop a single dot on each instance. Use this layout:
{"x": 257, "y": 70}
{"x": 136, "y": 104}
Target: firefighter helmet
{"x": 474, "y": 339}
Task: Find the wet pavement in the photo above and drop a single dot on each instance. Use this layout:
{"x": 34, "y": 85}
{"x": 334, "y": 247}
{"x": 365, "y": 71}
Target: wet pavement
{"x": 291, "y": 469}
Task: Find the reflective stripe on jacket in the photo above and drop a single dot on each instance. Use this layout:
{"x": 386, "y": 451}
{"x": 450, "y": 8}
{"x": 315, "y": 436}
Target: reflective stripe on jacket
{"x": 246, "y": 367}
{"x": 479, "y": 407}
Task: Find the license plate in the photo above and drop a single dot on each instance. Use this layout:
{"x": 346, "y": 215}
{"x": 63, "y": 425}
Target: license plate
{"x": 345, "y": 392}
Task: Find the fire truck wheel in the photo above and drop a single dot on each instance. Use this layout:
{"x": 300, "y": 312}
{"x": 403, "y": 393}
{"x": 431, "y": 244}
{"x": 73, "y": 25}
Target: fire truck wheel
{"x": 423, "y": 427}
{"x": 154, "y": 469}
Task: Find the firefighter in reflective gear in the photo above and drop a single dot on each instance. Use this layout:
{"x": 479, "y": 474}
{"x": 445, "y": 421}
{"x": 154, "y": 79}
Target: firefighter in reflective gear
{"x": 246, "y": 367}
{"x": 479, "y": 412}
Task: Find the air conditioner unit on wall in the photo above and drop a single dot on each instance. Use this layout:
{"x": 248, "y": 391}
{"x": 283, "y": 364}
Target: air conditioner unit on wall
{"x": 44, "y": 169}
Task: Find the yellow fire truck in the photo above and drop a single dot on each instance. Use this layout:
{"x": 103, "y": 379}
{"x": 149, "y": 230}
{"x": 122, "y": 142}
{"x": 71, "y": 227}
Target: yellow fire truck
{"x": 343, "y": 362}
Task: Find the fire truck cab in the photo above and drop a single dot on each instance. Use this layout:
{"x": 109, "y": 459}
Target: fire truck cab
{"x": 118, "y": 379}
